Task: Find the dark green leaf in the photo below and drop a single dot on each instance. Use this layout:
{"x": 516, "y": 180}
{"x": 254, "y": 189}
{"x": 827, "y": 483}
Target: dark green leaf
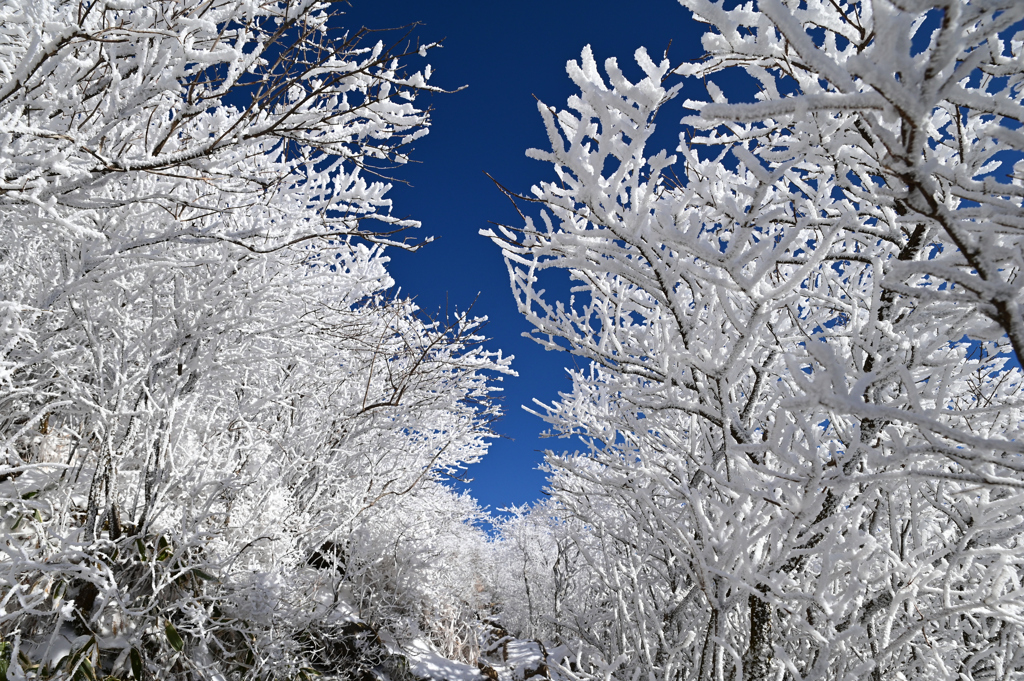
{"x": 136, "y": 658}
{"x": 87, "y": 670}
{"x": 202, "y": 574}
{"x": 173, "y": 638}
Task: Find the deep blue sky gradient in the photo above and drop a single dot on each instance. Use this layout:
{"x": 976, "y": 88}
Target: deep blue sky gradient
{"x": 506, "y": 53}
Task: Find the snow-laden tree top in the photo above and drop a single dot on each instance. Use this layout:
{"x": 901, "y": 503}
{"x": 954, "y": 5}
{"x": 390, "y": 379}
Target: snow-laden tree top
{"x": 802, "y": 418}
{"x": 222, "y": 443}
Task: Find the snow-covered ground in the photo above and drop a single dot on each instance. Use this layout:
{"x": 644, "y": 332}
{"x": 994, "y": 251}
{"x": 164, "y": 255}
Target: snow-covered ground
{"x": 426, "y": 663}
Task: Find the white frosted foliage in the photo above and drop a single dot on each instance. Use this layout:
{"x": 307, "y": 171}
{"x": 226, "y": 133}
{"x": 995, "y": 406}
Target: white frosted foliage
{"x": 801, "y": 419}
{"x": 223, "y": 442}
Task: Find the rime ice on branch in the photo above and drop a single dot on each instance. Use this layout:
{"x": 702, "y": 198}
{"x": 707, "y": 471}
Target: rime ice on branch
{"x": 222, "y": 442}
{"x": 802, "y": 415}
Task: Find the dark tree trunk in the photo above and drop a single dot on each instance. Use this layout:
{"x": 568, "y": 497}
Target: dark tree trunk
{"x": 707, "y": 655}
{"x": 757, "y": 663}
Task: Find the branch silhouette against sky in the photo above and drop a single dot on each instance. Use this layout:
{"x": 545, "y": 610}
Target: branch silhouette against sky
{"x": 508, "y": 56}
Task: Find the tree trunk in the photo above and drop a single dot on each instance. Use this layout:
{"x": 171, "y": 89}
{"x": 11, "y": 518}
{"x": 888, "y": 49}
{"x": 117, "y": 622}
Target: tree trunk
{"x": 707, "y": 655}
{"x": 757, "y": 663}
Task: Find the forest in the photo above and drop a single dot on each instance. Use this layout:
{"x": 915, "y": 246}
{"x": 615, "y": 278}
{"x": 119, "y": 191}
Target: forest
{"x": 793, "y": 445}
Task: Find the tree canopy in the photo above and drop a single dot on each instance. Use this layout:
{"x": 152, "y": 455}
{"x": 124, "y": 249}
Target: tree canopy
{"x": 226, "y": 445}
{"x": 802, "y": 408}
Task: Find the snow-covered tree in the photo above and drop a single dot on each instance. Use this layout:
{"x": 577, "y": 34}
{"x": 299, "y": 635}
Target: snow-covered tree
{"x": 525, "y": 556}
{"x": 216, "y": 427}
{"x": 802, "y": 412}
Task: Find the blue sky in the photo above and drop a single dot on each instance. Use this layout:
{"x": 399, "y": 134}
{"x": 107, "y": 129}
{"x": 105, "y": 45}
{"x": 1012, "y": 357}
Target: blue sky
{"x": 506, "y": 53}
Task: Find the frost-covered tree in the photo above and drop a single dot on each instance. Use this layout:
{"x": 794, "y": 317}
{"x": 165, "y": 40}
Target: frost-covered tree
{"x": 525, "y": 556}
{"x": 222, "y": 444}
{"x": 802, "y": 412}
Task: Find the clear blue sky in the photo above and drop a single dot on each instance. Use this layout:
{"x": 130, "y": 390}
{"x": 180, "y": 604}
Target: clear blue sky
{"x": 505, "y": 53}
